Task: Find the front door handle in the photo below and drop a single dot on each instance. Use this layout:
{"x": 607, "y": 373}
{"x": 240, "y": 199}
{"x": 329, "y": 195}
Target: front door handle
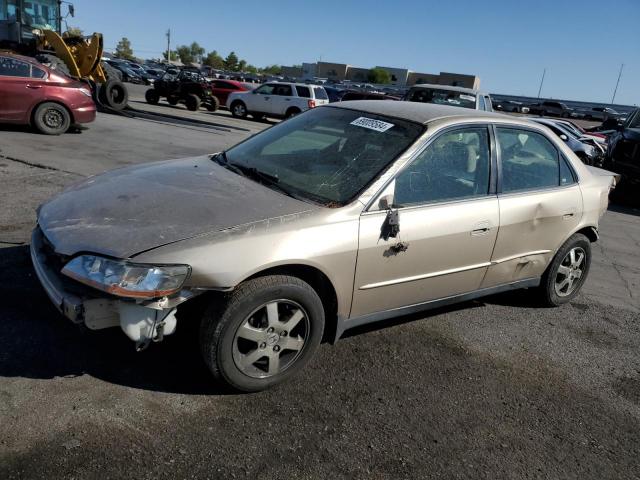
{"x": 568, "y": 214}
{"x": 34, "y": 87}
{"x": 481, "y": 228}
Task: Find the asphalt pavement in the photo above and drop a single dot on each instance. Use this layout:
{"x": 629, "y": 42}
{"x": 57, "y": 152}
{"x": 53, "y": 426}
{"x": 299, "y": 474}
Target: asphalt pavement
{"x": 496, "y": 388}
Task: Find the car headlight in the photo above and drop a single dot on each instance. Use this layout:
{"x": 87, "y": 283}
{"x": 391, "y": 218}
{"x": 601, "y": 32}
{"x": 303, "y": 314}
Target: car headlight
{"x": 127, "y": 279}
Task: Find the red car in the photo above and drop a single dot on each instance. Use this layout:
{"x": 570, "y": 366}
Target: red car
{"x": 32, "y": 94}
{"x": 222, "y": 88}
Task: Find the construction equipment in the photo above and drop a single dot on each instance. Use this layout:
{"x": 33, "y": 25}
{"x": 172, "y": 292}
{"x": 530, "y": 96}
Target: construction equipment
{"x": 34, "y": 28}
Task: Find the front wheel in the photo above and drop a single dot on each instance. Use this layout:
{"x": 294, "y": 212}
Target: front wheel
{"x": 239, "y": 109}
{"x": 213, "y": 104}
{"x": 264, "y": 333}
{"x": 567, "y": 272}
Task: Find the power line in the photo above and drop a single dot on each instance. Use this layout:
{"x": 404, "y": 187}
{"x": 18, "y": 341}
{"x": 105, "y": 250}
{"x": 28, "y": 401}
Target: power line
{"x": 615, "y": 90}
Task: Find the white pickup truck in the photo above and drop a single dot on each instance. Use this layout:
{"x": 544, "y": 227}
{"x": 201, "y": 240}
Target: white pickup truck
{"x": 276, "y": 99}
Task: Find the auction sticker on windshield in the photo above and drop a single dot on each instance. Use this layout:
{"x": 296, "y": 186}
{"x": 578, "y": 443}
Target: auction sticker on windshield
{"x": 372, "y": 124}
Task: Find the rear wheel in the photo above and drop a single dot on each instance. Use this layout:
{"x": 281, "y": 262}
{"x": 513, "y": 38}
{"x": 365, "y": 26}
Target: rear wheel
{"x": 292, "y": 112}
{"x": 152, "y": 96}
{"x": 264, "y": 333}
{"x": 567, "y": 272}
{"x": 239, "y": 109}
{"x": 192, "y": 102}
{"x": 52, "y": 119}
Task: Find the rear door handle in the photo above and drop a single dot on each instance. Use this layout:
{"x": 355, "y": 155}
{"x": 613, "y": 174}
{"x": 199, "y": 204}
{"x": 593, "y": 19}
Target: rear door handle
{"x": 568, "y": 215}
{"x": 481, "y": 228}
{"x": 34, "y": 87}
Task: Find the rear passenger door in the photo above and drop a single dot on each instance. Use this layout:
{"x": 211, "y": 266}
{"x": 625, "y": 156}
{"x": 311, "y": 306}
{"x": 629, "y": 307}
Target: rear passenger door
{"x": 540, "y": 204}
{"x": 16, "y": 90}
{"x": 281, "y": 100}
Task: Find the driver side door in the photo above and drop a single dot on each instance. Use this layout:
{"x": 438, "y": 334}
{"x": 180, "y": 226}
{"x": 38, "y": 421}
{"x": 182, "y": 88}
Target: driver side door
{"x": 448, "y": 216}
{"x": 261, "y": 99}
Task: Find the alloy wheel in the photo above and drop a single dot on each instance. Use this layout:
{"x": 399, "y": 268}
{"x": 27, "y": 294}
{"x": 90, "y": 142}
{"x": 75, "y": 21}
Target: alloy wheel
{"x": 53, "y": 118}
{"x": 271, "y": 338}
{"x": 570, "y": 272}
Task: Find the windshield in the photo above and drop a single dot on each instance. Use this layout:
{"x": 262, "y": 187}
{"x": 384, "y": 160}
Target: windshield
{"x": 442, "y": 97}
{"x": 327, "y": 155}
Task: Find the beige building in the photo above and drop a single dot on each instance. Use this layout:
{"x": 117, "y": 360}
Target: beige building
{"x": 332, "y": 71}
{"x": 356, "y": 74}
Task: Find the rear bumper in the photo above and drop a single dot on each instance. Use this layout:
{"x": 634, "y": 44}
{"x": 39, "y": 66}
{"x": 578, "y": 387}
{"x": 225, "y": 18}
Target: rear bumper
{"x": 86, "y": 114}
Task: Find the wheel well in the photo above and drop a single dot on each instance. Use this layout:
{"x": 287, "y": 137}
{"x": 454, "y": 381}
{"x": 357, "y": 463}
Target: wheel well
{"x": 36, "y": 106}
{"x": 293, "y": 109}
{"x": 320, "y": 283}
{"x": 590, "y": 232}
{"x": 235, "y": 102}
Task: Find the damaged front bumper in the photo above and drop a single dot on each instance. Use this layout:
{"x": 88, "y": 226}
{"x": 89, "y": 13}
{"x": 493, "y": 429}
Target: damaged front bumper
{"x": 142, "y": 321}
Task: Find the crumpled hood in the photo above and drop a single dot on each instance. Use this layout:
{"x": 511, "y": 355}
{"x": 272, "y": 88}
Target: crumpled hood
{"x": 134, "y": 209}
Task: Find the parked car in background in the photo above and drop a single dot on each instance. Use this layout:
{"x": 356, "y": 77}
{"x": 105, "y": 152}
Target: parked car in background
{"x": 585, "y": 149}
{"x": 452, "y": 96}
{"x": 349, "y": 95}
{"x": 276, "y": 99}
{"x": 623, "y": 153}
{"x": 600, "y": 113}
{"x": 188, "y": 87}
{"x": 578, "y": 131}
{"x": 509, "y": 106}
{"x": 36, "y": 95}
{"x": 334, "y": 94}
{"x": 154, "y": 74}
{"x": 222, "y": 88}
{"x": 128, "y": 74}
{"x": 343, "y": 216}
{"x": 550, "y": 108}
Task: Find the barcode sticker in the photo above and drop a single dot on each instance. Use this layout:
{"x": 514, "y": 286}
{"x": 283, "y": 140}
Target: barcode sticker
{"x": 372, "y": 124}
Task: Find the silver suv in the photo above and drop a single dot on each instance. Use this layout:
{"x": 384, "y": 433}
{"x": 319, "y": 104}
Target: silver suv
{"x": 276, "y": 99}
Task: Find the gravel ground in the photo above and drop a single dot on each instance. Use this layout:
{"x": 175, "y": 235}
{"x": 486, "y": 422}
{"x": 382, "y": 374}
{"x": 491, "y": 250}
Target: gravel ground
{"x": 498, "y": 388}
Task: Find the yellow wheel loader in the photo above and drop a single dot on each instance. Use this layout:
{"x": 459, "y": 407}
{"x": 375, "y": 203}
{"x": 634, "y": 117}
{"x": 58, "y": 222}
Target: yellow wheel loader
{"x": 34, "y": 28}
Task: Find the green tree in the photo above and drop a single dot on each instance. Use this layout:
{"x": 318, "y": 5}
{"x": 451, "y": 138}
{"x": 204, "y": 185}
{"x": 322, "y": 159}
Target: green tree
{"x": 378, "y": 75}
{"x": 214, "y": 60}
{"x": 231, "y": 62}
{"x": 271, "y": 69}
{"x": 184, "y": 52}
{"x": 242, "y": 65}
{"x": 173, "y": 53}
{"x": 197, "y": 52}
{"x": 124, "y": 50}
{"x": 75, "y": 31}
{"x": 251, "y": 69}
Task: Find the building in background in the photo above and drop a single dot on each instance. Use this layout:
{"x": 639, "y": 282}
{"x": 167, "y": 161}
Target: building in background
{"x": 400, "y": 77}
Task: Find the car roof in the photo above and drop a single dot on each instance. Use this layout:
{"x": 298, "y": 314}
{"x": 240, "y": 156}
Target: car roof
{"x": 295, "y": 84}
{"x": 449, "y": 87}
{"x": 23, "y": 58}
{"x": 417, "y": 111}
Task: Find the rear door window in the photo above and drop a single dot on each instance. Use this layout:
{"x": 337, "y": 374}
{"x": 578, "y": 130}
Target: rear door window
{"x": 529, "y": 160}
{"x": 11, "y": 67}
{"x": 283, "y": 90}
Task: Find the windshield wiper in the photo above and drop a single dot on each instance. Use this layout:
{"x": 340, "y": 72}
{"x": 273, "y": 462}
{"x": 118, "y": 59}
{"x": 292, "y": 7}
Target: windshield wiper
{"x": 252, "y": 172}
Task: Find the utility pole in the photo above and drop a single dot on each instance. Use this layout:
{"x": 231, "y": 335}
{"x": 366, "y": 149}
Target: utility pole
{"x": 541, "y": 82}
{"x": 169, "y": 45}
{"x": 615, "y": 90}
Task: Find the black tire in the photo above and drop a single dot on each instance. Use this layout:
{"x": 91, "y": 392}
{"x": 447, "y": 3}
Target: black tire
{"x": 222, "y": 320}
{"x": 53, "y": 62}
{"x": 239, "y": 109}
{"x": 548, "y": 291}
{"x": 151, "y": 96}
{"x": 258, "y": 116}
{"x": 292, "y": 112}
{"x": 51, "y": 119}
{"x": 173, "y": 100}
{"x": 192, "y": 102}
{"x": 111, "y": 72}
{"x": 114, "y": 94}
{"x": 213, "y": 104}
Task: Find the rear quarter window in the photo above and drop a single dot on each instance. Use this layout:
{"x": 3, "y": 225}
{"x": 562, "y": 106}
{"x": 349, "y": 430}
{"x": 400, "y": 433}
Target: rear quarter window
{"x": 320, "y": 93}
{"x": 303, "y": 91}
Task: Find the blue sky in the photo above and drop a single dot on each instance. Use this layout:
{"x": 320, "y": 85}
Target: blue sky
{"x": 507, "y": 43}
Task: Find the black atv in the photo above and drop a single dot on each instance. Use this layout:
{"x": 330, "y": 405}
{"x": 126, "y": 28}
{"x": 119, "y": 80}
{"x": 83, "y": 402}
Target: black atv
{"x": 187, "y": 86}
